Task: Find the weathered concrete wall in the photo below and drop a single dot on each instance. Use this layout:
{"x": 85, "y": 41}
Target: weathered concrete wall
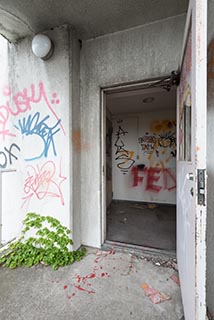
{"x": 37, "y": 102}
{"x": 145, "y": 52}
{"x": 75, "y": 158}
{"x": 210, "y": 160}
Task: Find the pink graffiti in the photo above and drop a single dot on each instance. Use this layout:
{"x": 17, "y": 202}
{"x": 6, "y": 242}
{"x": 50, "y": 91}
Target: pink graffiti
{"x": 43, "y": 181}
{"x": 21, "y": 102}
{"x": 156, "y": 179}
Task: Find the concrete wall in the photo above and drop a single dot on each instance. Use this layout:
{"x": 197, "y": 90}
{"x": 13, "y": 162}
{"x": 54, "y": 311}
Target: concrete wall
{"x": 145, "y": 52}
{"x": 36, "y": 104}
{"x": 210, "y": 160}
{"x": 149, "y": 173}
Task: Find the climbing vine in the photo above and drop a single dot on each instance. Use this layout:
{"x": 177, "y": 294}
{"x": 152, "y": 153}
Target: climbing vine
{"x": 49, "y": 244}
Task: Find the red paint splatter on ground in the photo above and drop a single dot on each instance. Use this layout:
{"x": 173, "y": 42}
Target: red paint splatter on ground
{"x": 83, "y": 289}
{"x": 154, "y": 295}
{"x": 102, "y": 255}
{"x": 82, "y": 283}
{"x": 72, "y": 295}
{"x": 175, "y": 278}
{"x": 105, "y": 274}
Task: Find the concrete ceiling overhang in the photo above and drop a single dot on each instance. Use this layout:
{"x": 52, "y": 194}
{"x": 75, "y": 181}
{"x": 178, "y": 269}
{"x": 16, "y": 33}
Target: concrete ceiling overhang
{"x": 90, "y": 18}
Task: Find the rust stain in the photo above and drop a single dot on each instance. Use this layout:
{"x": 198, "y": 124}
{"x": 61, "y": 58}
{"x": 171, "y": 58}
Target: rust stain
{"x": 197, "y": 148}
{"x": 77, "y": 141}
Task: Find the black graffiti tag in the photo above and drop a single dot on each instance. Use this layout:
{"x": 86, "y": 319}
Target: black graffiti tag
{"x": 7, "y": 155}
{"x": 122, "y": 153}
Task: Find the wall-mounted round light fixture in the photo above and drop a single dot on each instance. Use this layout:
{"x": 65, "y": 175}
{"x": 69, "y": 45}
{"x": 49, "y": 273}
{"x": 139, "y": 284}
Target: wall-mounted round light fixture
{"x": 42, "y": 46}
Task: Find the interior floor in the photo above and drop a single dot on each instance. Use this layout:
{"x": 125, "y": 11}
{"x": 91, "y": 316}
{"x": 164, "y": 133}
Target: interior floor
{"x": 149, "y": 225}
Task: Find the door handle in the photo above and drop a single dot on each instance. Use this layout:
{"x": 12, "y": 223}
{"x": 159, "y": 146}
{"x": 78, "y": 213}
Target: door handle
{"x": 190, "y": 176}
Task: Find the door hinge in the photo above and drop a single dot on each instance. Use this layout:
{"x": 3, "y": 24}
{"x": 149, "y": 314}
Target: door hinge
{"x": 201, "y": 187}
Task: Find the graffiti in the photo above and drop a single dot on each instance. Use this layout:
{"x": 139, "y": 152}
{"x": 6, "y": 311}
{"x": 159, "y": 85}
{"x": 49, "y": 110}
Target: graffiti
{"x": 148, "y": 143}
{"x": 159, "y": 126}
{"x": 43, "y": 181}
{"x": 164, "y": 137}
{"x": 8, "y": 155}
{"x": 122, "y": 153}
{"x": 167, "y": 140}
{"x": 35, "y": 125}
{"x": 4, "y": 116}
{"x": 154, "y": 179}
{"x": 210, "y": 61}
{"x": 23, "y": 101}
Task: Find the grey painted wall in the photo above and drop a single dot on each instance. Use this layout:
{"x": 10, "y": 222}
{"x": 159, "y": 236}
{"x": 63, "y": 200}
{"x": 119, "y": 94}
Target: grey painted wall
{"x": 210, "y": 165}
{"x": 145, "y": 52}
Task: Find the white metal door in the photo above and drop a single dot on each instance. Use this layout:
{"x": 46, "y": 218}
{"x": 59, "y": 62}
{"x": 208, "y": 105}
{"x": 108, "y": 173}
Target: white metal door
{"x": 191, "y": 163}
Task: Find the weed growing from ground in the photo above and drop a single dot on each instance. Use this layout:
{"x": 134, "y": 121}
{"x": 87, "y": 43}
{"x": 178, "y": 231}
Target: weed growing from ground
{"x": 49, "y": 246}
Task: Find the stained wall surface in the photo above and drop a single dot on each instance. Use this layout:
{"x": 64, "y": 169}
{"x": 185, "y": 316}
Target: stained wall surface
{"x": 142, "y": 53}
{"x": 35, "y": 133}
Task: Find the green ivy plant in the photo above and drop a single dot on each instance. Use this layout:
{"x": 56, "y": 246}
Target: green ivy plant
{"x": 49, "y": 246}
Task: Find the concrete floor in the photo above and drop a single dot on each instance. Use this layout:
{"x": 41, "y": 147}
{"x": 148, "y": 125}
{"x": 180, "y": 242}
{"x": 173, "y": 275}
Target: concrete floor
{"x": 104, "y": 285}
{"x": 141, "y": 224}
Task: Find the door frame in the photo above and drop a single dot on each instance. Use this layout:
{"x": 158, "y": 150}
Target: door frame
{"x": 137, "y": 85}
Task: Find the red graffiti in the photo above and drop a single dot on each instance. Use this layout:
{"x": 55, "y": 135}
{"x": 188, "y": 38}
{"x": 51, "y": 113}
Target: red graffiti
{"x": 137, "y": 179}
{"x": 43, "y": 181}
{"x": 155, "y": 179}
{"x": 22, "y": 102}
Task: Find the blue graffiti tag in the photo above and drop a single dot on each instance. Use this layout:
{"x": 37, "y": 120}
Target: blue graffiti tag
{"x": 34, "y": 125}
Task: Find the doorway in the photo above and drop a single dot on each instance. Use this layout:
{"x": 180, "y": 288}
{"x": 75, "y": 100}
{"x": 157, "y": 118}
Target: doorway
{"x": 140, "y": 166}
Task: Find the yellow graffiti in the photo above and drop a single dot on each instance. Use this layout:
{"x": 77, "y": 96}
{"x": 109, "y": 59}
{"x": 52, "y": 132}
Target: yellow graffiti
{"x": 162, "y": 125}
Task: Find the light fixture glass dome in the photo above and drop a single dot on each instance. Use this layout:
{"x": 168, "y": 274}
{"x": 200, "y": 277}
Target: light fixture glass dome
{"x": 42, "y": 46}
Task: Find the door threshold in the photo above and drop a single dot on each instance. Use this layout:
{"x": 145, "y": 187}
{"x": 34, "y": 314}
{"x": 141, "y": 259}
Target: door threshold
{"x": 138, "y": 250}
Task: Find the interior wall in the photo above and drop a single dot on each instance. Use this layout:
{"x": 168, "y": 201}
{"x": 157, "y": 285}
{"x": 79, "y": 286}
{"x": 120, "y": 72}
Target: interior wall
{"x": 210, "y": 160}
{"x": 35, "y": 103}
{"x": 145, "y": 52}
{"x": 144, "y": 157}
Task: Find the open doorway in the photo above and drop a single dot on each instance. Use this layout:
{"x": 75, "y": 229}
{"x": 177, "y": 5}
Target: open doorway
{"x": 141, "y": 167}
